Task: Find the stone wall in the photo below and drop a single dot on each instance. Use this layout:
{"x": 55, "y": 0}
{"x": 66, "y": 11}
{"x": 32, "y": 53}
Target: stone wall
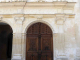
{"x": 64, "y": 22}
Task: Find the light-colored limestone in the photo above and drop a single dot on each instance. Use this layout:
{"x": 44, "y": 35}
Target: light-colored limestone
{"x": 62, "y": 17}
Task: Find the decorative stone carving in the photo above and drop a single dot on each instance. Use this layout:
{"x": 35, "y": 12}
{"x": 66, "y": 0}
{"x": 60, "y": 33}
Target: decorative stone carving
{"x": 39, "y": 17}
{"x": 60, "y": 19}
{"x": 19, "y": 20}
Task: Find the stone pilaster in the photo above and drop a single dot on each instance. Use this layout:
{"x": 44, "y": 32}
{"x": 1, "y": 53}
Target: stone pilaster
{"x": 16, "y": 49}
{"x": 77, "y": 30}
{"x": 17, "y": 39}
{"x": 60, "y": 43}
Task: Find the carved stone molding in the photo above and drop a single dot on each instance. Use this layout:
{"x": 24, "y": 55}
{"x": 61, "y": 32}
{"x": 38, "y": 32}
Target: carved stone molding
{"x": 19, "y": 20}
{"x": 39, "y": 17}
{"x": 60, "y": 19}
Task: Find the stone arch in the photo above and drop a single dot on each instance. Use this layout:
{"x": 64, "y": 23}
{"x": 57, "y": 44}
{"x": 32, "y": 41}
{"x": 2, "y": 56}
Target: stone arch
{"x": 6, "y": 34}
{"x": 24, "y": 36}
{"x": 25, "y": 28}
{"x": 7, "y": 23}
{"x": 33, "y": 22}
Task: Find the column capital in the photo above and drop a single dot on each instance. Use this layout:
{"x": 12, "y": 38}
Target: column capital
{"x": 19, "y": 20}
{"x": 60, "y": 19}
{"x": 39, "y": 17}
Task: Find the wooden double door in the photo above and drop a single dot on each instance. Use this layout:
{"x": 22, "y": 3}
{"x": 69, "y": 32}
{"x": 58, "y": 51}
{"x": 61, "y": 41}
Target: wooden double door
{"x": 39, "y": 43}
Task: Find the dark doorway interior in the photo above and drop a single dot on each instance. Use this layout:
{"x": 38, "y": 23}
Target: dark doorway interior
{"x": 5, "y": 41}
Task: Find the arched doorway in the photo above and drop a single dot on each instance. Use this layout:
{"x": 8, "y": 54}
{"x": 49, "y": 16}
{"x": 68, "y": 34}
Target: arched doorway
{"x": 5, "y": 41}
{"x": 39, "y": 42}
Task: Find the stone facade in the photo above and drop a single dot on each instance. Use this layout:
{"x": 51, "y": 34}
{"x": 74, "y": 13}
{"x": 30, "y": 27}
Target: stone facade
{"x": 61, "y": 17}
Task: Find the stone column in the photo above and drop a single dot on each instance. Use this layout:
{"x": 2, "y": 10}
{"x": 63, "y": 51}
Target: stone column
{"x": 17, "y": 39}
{"x": 16, "y": 49}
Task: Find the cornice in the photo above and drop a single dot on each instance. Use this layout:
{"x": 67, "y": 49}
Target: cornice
{"x": 38, "y": 4}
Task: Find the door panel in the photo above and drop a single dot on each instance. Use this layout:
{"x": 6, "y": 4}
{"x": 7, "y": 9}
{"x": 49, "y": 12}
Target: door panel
{"x": 39, "y": 42}
{"x": 46, "y": 43}
{"x": 32, "y": 44}
{"x": 43, "y": 29}
{"x": 35, "y": 57}
{"x": 28, "y": 58}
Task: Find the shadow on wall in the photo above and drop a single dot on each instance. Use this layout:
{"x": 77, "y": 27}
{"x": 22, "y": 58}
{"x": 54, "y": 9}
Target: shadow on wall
{"x": 5, "y": 42}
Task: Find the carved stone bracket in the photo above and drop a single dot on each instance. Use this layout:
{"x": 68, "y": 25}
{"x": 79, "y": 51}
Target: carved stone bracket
{"x": 60, "y": 19}
{"x": 39, "y": 17}
{"x": 19, "y": 20}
